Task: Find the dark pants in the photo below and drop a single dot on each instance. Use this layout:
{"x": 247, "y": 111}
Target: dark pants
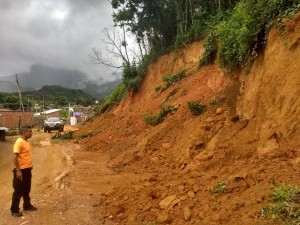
{"x": 21, "y": 189}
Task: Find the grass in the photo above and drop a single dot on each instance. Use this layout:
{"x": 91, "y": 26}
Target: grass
{"x": 171, "y": 80}
{"x": 86, "y": 135}
{"x": 64, "y": 136}
{"x": 196, "y": 108}
{"x": 164, "y": 111}
{"x": 220, "y": 187}
{"x": 284, "y": 206}
{"x": 149, "y": 223}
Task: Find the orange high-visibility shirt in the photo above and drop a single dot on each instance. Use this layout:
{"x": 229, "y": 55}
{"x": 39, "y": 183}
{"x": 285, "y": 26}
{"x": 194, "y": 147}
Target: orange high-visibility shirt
{"x": 25, "y": 155}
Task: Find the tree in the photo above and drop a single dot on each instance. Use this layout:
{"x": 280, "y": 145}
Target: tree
{"x": 116, "y": 46}
{"x": 85, "y": 101}
{"x": 115, "y": 50}
{"x": 12, "y": 102}
{"x": 162, "y": 21}
{"x": 153, "y": 20}
{"x": 61, "y": 101}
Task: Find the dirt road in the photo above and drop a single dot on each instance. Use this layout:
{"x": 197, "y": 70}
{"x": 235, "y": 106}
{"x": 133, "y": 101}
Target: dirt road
{"x": 66, "y": 188}
{"x": 50, "y": 164}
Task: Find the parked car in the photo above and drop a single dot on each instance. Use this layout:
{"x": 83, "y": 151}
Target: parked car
{"x": 53, "y": 123}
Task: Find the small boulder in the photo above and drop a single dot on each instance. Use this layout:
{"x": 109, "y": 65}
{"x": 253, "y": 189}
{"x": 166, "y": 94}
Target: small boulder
{"x": 181, "y": 188}
{"x": 191, "y": 194}
{"x": 219, "y": 111}
{"x": 187, "y": 213}
{"x": 163, "y": 218}
{"x": 167, "y": 201}
{"x": 196, "y": 188}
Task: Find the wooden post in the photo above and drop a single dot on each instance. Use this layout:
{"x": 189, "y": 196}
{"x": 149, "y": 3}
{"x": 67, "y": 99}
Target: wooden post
{"x": 21, "y": 102}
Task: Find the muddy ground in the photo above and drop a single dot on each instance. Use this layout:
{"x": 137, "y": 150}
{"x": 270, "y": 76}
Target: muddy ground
{"x": 55, "y": 201}
{"x": 74, "y": 186}
{"x": 68, "y": 185}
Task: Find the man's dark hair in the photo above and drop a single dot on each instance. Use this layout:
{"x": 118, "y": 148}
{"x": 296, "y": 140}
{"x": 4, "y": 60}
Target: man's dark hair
{"x": 24, "y": 128}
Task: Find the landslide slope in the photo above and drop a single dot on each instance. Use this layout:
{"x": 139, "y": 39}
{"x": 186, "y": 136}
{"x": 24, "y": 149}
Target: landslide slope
{"x": 247, "y": 139}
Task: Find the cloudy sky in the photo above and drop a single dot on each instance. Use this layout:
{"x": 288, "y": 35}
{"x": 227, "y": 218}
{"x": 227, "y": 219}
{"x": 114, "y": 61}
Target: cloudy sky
{"x": 54, "y": 33}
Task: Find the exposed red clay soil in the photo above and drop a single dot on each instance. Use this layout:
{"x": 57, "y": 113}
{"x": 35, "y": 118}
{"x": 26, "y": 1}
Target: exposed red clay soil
{"x": 125, "y": 171}
{"x": 248, "y": 138}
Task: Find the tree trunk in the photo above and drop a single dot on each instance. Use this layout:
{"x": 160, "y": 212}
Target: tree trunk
{"x": 125, "y": 45}
{"x": 144, "y": 46}
{"x": 191, "y": 11}
{"x": 179, "y": 18}
{"x": 140, "y": 47}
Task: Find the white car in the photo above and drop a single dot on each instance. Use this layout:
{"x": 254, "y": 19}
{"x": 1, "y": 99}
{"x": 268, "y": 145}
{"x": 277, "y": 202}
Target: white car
{"x": 53, "y": 123}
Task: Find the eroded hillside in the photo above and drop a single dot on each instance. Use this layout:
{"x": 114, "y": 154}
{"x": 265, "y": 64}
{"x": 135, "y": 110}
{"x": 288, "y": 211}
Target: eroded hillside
{"x": 216, "y": 168}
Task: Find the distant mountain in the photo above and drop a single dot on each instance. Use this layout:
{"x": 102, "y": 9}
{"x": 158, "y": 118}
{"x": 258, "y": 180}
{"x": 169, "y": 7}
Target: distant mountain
{"x": 101, "y": 91}
{"x": 57, "y": 95}
{"x": 50, "y": 92}
{"x": 50, "y": 95}
{"x": 41, "y": 75}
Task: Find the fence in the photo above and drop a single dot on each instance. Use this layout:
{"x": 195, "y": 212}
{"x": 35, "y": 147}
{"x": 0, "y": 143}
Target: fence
{"x": 15, "y": 119}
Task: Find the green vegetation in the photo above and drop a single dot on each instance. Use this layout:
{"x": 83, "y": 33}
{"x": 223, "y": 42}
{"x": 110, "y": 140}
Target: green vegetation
{"x": 130, "y": 77}
{"x": 171, "y": 94}
{"x": 210, "y": 51}
{"x": 154, "y": 119}
{"x": 117, "y": 95}
{"x": 60, "y": 96}
{"x": 64, "y": 114}
{"x": 149, "y": 223}
{"x": 285, "y": 208}
{"x": 170, "y": 80}
{"x": 245, "y": 31}
{"x": 157, "y": 89}
{"x": 164, "y": 111}
{"x": 214, "y": 102}
{"x": 234, "y": 31}
{"x": 87, "y": 135}
{"x": 49, "y": 96}
{"x": 220, "y": 187}
{"x": 196, "y": 108}
{"x": 114, "y": 98}
{"x": 10, "y": 101}
{"x": 65, "y": 136}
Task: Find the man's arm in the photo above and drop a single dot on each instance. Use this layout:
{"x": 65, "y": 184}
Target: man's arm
{"x": 16, "y": 163}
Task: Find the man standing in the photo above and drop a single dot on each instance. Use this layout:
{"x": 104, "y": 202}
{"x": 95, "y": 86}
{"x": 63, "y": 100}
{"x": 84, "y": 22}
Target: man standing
{"x": 22, "y": 172}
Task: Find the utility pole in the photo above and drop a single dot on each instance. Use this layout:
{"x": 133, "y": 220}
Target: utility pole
{"x": 44, "y": 107}
{"x": 18, "y": 86}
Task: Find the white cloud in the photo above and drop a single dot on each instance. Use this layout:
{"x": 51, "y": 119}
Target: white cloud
{"x": 57, "y": 33}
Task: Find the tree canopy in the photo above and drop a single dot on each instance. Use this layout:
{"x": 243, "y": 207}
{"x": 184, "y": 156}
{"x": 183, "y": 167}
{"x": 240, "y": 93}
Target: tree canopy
{"x": 234, "y": 30}
{"x": 237, "y": 25}
{"x": 160, "y": 22}
{"x": 53, "y": 95}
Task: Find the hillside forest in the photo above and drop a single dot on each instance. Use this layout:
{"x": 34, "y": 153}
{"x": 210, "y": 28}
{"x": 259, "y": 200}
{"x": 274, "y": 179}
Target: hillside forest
{"x": 49, "y": 96}
{"x": 235, "y": 31}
